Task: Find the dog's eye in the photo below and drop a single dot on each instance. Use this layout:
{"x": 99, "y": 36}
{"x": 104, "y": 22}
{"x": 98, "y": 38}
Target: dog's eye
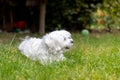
{"x": 64, "y": 39}
{"x": 69, "y": 37}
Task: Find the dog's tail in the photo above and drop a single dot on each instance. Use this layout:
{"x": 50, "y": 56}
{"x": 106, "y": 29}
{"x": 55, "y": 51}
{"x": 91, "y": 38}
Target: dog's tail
{"x": 27, "y": 37}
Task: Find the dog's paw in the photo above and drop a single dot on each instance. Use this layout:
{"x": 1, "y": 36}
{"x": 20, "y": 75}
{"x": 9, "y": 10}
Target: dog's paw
{"x": 63, "y": 59}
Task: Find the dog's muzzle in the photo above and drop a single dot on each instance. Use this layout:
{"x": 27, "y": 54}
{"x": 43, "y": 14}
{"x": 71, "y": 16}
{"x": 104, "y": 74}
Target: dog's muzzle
{"x": 72, "y": 42}
{"x": 67, "y": 47}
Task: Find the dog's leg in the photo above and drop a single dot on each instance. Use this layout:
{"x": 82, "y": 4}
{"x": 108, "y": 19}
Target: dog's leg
{"x": 60, "y": 57}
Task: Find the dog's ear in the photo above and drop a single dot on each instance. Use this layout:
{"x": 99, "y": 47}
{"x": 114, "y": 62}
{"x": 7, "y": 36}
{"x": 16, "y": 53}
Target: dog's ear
{"x": 49, "y": 42}
{"x": 52, "y": 43}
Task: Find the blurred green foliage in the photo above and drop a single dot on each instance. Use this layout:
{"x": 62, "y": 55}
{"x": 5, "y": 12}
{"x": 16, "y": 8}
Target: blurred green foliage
{"x": 69, "y": 14}
{"x": 106, "y": 16}
{"x": 112, "y": 7}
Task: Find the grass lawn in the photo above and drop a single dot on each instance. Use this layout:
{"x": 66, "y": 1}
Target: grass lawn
{"x": 93, "y": 57}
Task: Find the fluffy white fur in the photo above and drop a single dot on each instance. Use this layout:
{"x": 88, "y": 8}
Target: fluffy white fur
{"x": 47, "y": 49}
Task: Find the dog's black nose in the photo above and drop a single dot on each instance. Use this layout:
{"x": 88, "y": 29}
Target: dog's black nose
{"x": 71, "y": 41}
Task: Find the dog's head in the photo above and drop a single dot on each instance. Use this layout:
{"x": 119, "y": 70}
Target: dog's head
{"x": 66, "y": 39}
{"x": 58, "y": 40}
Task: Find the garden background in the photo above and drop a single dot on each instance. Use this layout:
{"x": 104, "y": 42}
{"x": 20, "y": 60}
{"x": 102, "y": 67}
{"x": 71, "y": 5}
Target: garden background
{"x": 48, "y": 15}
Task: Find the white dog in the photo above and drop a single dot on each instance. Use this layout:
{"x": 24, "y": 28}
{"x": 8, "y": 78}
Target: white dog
{"x": 47, "y": 49}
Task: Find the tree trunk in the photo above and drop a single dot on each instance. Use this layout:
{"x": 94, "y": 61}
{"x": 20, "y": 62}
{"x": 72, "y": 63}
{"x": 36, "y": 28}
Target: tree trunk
{"x": 42, "y": 17}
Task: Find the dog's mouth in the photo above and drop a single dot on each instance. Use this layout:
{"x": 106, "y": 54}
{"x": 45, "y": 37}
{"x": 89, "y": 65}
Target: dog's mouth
{"x": 67, "y": 47}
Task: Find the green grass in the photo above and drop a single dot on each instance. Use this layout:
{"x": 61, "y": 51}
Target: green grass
{"x": 94, "y": 57}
